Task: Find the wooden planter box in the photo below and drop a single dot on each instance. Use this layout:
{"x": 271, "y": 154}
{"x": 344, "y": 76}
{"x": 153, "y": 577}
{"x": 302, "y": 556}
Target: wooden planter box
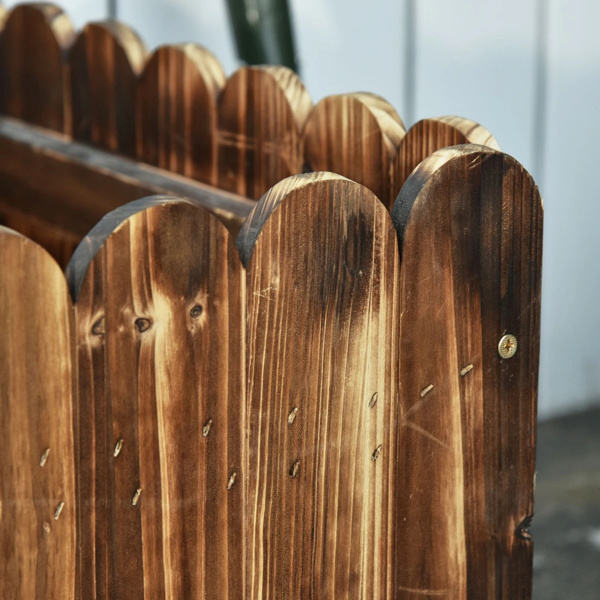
{"x": 289, "y": 370}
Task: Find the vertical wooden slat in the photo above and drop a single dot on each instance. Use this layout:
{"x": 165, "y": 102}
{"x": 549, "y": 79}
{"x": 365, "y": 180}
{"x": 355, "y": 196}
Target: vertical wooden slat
{"x": 323, "y": 266}
{"x": 104, "y": 63}
{"x": 160, "y": 298}
{"x": 261, "y": 113}
{"x": 32, "y": 47}
{"x": 470, "y": 225}
{"x": 355, "y": 135}
{"x": 37, "y": 471}
{"x": 177, "y": 111}
{"x": 429, "y": 135}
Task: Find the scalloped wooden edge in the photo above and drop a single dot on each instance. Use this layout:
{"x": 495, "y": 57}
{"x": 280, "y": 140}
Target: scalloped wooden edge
{"x": 125, "y": 37}
{"x": 207, "y": 64}
{"x": 268, "y": 204}
{"x": 292, "y": 88}
{"x": 110, "y": 224}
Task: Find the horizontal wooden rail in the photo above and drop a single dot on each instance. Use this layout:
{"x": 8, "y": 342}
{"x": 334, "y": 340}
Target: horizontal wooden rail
{"x": 54, "y": 190}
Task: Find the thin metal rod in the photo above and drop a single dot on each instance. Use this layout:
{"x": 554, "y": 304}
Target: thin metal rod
{"x": 111, "y": 9}
{"x": 410, "y": 59}
{"x": 540, "y": 92}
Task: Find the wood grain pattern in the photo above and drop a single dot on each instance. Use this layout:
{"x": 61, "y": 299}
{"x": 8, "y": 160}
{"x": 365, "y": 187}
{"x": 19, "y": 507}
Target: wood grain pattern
{"x": 160, "y": 328}
{"x": 32, "y": 45}
{"x": 262, "y": 111}
{"x": 470, "y": 225}
{"x": 322, "y": 264}
{"x": 104, "y": 64}
{"x": 429, "y": 135}
{"x": 177, "y": 111}
{"x": 54, "y": 191}
{"x": 37, "y": 471}
{"x": 355, "y": 135}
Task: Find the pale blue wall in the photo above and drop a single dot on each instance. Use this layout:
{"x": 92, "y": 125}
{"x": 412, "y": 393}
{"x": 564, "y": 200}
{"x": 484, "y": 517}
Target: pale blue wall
{"x": 529, "y": 70}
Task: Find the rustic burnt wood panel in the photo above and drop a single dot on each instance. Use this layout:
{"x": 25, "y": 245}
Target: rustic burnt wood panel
{"x": 103, "y": 64}
{"x": 37, "y": 470}
{"x": 160, "y": 329}
{"x": 427, "y": 136}
{"x": 177, "y": 111}
{"x": 32, "y": 46}
{"x": 54, "y": 191}
{"x": 470, "y": 226}
{"x": 323, "y": 266}
{"x": 261, "y": 113}
{"x": 357, "y": 136}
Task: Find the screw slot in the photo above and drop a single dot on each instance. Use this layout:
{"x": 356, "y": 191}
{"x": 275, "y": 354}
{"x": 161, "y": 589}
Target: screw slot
{"x": 136, "y": 497}
{"x": 507, "y": 346}
{"x": 373, "y": 400}
{"x": 231, "y": 480}
{"x": 58, "y": 510}
{"x": 118, "y": 447}
{"x": 44, "y": 457}
{"x": 376, "y": 453}
{"x": 294, "y": 468}
{"x": 292, "y": 416}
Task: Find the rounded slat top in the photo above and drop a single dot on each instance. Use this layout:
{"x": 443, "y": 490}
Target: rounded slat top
{"x": 356, "y": 135}
{"x": 31, "y": 74}
{"x": 261, "y": 113}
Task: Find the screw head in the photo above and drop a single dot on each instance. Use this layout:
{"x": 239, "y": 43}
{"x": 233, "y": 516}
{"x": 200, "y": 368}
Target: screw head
{"x": 507, "y": 346}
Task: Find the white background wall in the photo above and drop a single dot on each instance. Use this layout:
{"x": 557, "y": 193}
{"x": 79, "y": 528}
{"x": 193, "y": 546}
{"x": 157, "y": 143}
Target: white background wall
{"x": 528, "y": 70}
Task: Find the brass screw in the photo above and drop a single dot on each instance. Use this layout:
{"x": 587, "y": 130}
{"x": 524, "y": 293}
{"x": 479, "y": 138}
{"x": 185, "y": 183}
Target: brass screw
{"x": 507, "y": 346}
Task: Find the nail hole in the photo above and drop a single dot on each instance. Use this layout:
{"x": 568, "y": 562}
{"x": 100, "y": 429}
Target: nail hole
{"x": 292, "y": 415}
{"x": 143, "y": 324}
{"x": 295, "y": 468}
{"x": 118, "y": 447}
{"x": 376, "y": 453}
{"x": 373, "y": 400}
{"x": 196, "y": 311}
{"x": 44, "y": 457}
{"x": 136, "y": 497}
{"x": 58, "y": 510}
{"x": 206, "y": 428}
{"x": 466, "y": 370}
{"x": 426, "y": 390}
{"x": 98, "y": 327}
{"x": 231, "y": 480}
